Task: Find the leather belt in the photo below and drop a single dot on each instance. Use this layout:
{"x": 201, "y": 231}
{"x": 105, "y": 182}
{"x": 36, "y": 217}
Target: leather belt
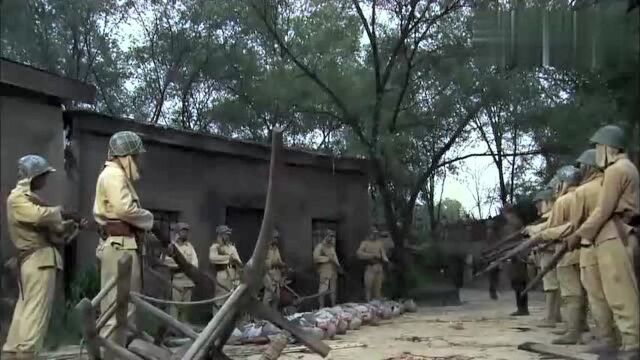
{"x": 118, "y": 228}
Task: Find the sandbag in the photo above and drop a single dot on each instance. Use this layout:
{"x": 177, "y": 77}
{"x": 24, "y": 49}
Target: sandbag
{"x": 355, "y": 323}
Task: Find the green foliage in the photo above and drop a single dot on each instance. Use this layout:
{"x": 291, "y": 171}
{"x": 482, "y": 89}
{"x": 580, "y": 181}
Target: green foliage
{"x": 65, "y": 326}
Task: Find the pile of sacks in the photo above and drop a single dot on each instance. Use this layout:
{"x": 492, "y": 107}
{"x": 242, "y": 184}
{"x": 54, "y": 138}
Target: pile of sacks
{"x": 326, "y": 323}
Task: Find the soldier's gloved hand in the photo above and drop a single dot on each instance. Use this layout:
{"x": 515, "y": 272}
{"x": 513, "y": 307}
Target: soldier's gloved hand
{"x": 573, "y": 241}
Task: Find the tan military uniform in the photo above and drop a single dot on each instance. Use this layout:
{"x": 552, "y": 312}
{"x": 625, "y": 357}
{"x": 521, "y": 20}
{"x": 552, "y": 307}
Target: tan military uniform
{"x": 227, "y": 275}
{"x": 550, "y": 280}
{"x": 273, "y": 277}
{"x": 372, "y": 251}
{"x": 586, "y": 201}
{"x": 182, "y": 285}
{"x": 116, "y": 199}
{"x": 619, "y": 195}
{"x": 326, "y": 260}
{"x": 30, "y": 227}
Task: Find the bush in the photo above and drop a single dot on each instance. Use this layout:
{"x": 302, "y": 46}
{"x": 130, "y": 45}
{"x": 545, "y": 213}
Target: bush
{"x": 65, "y": 326}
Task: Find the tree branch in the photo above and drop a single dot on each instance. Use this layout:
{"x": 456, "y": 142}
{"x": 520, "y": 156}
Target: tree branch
{"x": 474, "y": 155}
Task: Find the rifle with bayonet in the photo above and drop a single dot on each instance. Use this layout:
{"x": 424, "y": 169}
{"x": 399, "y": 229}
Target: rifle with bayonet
{"x": 564, "y": 248}
{"x": 516, "y": 250}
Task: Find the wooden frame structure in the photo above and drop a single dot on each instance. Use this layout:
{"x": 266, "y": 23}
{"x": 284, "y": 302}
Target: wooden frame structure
{"x": 210, "y": 342}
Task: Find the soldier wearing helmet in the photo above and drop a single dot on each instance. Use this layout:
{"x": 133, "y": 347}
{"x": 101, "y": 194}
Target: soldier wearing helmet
{"x": 273, "y": 277}
{"x": 608, "y": 233}
{"x": 226, "y": 261}
{"x": 35, "y": 228}
{"x": 327, "y": 264}
{"x": 372, "y": 252}
{"x": 182, "y": 285}
{"x": 118, "y": 211}
{"x": 568, "y": 268}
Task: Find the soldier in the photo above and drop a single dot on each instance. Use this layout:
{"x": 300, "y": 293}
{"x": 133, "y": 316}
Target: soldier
{"x": 373, "y": 253}
{"x": 224, "y": 257}
{"x": 544, "y": 202}
{"x": 568, "y": 268}
{"x": 517, "y": 264}
{"x": 607, "y": 232}
{"x": 117, "y": 209}
{"x": 326, "y": 260}
{"x": 494, "y": 275}
{"x": 35, "y": 229}
{"x": 585, "y": 202}
{"x": 181, "y": 285}
{"x": 273, "y": 277}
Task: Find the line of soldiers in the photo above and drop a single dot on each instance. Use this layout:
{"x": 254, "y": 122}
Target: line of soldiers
{"x": 589, "y": 212}
{"x": 38, "y": 229}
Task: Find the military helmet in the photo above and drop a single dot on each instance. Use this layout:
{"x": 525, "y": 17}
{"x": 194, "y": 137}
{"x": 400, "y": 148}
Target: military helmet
{"x": 223, "y": 230}
{"x": 30, "y": 166}
{"x": 610, "y": 135}
{"x": 125, "y": 143}
{"x": 587, "y": 158}
{"x": 543, "y": 195}
{"x": 553, "y": 182}
{"x": 276, "y": 234}
{"x": 569, "y": 174}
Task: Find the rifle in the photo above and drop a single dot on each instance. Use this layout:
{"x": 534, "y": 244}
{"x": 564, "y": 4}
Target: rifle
{"x": 497, "y": 246}
{"x": 548, "y": 267}
{"x": 526, "y": 245}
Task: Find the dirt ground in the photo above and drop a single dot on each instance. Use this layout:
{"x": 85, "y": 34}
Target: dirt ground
{"x": 478, "y": 329}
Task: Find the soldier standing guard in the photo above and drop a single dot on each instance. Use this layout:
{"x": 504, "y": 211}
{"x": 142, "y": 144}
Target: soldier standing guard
{"x": 35, "y": 229}
{"x": 182, "y": 286}
{"x": 327, "y": 264}
{"x": 372, "y": 251}
{"x": 117, "y": 209}
{"x": 608, "y": 232}
{"x": 273, "y": 276}
{"x": 224, "y": 257}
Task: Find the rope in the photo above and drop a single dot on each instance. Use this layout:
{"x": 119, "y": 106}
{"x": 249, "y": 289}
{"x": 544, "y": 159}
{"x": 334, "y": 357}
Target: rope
{"x": 180, "y": 303}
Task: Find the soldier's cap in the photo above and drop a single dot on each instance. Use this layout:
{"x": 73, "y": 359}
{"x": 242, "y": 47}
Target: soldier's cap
{"x": 588, "y": 157}
{"x": 276, "y": 233}
{"x": 553, "y": 182}
{"x": 31, "y": 166}
{"x": 223, "y": 230}
{"x": 182, "y": 226}
{"x": 610, "y": 135}
{"x": 330, "y": 232}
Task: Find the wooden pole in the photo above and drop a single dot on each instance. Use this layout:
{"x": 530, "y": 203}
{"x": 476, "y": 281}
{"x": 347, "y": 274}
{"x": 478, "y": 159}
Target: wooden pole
{"x": 95, "y": 302}
{"x": 89, "y": 331}
{"x": 123, "y": 287}
{"x": 117, "y": 350}
{"x": 164, "y": 317}
{"x": 102, "y": 320}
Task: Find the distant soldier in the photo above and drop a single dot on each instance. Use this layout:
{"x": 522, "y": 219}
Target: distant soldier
{"x": 517, "y": 264}
{"x": 372, "y": 252}
{"x": 182, "y": 286}
{"x": 607, "y": 230}
{"x": 117, "y": 209}
{"x": 544, "y": 202}
{"x": 273, "y": 277}
{"x": 224, "y": 257}
{"x": 35, "y": 229}
{"x": 494, "y": 275}
{"x": 327, "y": 264}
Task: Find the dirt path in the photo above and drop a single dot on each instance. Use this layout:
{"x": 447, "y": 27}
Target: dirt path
{"x": 479, "y": 329}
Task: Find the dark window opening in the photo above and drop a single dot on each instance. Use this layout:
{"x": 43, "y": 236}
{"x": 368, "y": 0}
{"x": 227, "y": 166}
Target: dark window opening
{"x": 245, "y": 225}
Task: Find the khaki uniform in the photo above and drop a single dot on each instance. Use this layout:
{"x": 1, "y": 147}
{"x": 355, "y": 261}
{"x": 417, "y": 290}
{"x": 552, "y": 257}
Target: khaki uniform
{"x": 586, "y": 201}
{"x": 116, "y": 199}
{"x": 550, "y": 280}
{"x": 30, "y": 227}
{"x": 326, "y": 260}
{"x": 374, "y": 254}
{"x": 180, "y": 280}
{"x": 619, "y": 194}
{"x": 227, "y": 274}
{"x": 273, "y": 277}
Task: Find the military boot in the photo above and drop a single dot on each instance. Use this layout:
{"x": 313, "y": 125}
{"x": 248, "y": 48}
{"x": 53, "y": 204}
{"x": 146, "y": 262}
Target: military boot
{"x": 550, "y": 298}
{"x": 573, "y": 311}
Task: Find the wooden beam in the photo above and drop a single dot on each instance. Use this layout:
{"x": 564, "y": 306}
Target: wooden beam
{"x": 95, "y": 302}
{"x": 164, "y": 317}
{"x": 89, "y": 331}
{"x": 556, "y": 351}
{"x": 114, "y": 349}
{"x": 123, "y": 287}
{"x": 102, "y": 320}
